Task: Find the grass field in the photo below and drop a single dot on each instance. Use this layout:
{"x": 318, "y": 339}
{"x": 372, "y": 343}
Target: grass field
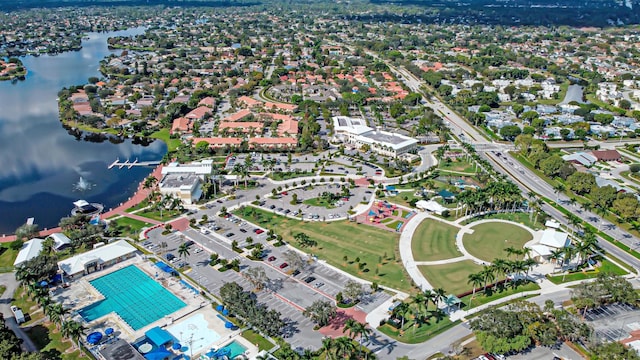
{"x": 7, "y": 257}
{"x": 434, "y": 240}
{"x": 319, "y": 202}
{"x": 49, "y": 341}
{"x": 131, "y": 227}
{"x": 606, "y": 267}
{"x": 480, "y": 298}
{"x": 163, "y": 215}
{"x": 519, "y": 217}
{"x": 255, "y": 338}
{"x": 340, "y": 238}
{"x": 172, "y": 144}
{"x": 415, "y": 335}
{"x": 394, "y": 225}
{"x": 459, "y": 166}
{"x": 451, "y": 277}
{"x": 489, "y": 240}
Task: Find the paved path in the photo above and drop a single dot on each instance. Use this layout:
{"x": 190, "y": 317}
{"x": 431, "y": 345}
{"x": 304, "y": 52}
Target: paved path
{"x": 9, "y": 281}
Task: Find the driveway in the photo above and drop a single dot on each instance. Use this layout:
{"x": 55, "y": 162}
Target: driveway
{"x": 9, "y": 280}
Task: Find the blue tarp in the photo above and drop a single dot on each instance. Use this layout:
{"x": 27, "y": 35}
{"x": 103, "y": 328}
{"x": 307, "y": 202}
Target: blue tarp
{"x": 108, "y": 331}
{"x": 159, "y": 354}
{"x": 158, "y": 336}
{"x": 219, "y": 308}
{"x": 166, "y": 268}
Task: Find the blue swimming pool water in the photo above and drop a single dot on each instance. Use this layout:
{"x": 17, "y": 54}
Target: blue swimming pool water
{"x": 236, "y": 349}
{"x": 133, "y": 295}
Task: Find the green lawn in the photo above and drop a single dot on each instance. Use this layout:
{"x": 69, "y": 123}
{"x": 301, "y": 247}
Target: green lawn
{"x": 160, "y": 216}
{"x": 131, "y": 227}
{"x": 416, "y": 335}
{"x": 480, "y": 298}
{"x": 605, "y": 267}
{"x": 403, "y": 198}
{"x": 172, "y": 144}
{"x": 434, "y": 240}
{"x": 142, "y": 204}
{"x": 340, "y": 238}
{"x": 279, "y": 176}
{"x": 7, "y": 257}
{"x": 319, "y": 202}
{"x": 30, "y": 308}
{"x": 394, "y": 225}
{"x": 451, "y": 277}
{"x": 459, "y": 166}
{"x": 257, "y": 339}
{"x": 48, "y": 340}
{"x": 489, "y": 240}
{"x": 519, "y": 217}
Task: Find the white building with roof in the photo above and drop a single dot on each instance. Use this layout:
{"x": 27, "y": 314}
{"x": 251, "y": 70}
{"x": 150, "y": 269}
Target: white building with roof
{"x": 355, "y": 131}
{"x": 200, "y": 168}
{"x": 97, "y": 259}
{"x": 547, "y": 241}
{"x": 185, "y": 186}
{"x": 30, "y": 249}
{"x": 583, "y": 158}
{"x": 60, "y": 241}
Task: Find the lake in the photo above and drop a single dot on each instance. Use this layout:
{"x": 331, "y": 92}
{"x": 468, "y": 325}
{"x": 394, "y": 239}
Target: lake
{"x": 41, "y": 162}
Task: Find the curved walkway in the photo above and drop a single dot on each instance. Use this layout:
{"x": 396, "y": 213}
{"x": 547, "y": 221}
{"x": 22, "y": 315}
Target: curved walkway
{"x": 406, "y": 252}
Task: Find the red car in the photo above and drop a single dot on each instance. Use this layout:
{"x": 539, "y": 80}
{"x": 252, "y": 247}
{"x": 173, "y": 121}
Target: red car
{"x": 271, "y": 258}
{"x": 283, "y": 265}
{"x": 285, "y": 193}
{"x": 259, "y": 231}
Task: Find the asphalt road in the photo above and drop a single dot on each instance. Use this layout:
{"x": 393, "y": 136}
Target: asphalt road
{"x": 9, "y": 280}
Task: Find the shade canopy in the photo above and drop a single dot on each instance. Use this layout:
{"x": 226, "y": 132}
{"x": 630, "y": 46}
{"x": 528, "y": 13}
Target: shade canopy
{"x": 94, "y": 337}
{"x": 158, "y": 336}
{"x": 108, "y": 331}
{"x": 225, "y": 312}
{"x": 228, "y": 324}
{"x": 145, "y": 348}
{"x": 176, "y": 346}
{"x": 219, "y": 307}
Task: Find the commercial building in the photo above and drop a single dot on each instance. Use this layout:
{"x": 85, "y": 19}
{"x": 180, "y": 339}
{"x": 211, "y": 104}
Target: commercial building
{"x": 356, "y": 132}
{"x": 185, "y": 186}
{"x": 97, "y": 259}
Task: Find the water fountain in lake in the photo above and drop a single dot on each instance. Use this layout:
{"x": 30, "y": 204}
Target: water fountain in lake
{"x": 83, "y": 185}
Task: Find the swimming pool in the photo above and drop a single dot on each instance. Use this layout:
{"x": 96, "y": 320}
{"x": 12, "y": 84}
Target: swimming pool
{"x": 236, "y": 349}
{"x": 195, "y": 332}
{"x": 134, "y": 296}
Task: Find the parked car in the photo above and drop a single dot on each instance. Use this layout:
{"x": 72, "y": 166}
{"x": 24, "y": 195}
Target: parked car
{"x": 271, "y": 258}
{"x": 309, "y": 279}
{"x": 189, "y": 243}
{"x": 283, "y": 265}
{"x": 170, "y": 256}
{"x": 229, "y": 234}
{"x": 243, "y": 230}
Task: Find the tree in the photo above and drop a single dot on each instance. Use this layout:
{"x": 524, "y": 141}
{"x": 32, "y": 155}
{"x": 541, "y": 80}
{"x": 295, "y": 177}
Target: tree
{"x": 581, "y": 183}
{"x": 613, "y": 351}
{"x": 476, "y": 280}
{"x": 321, "y": 312}
{"x": 510, "y": 132}
{"x": 183, "y": 250}
{"x": 27, "y": 232}
{"x": 257, "y": 276}
{"x": 72, "y": 330}
{"x": 295, "y": 260}
{"x": 304, "y": 240}
{"x": 551, "y": 165}
{"x": 353, "y": 290}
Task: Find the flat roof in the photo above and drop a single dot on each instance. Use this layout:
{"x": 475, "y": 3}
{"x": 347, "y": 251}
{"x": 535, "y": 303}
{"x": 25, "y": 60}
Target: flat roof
{"x": 114, "y": 250}
{"x": 179, "y": 180}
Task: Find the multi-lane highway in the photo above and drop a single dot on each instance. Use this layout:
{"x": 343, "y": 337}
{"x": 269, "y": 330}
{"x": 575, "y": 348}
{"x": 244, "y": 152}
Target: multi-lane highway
{"x": 526, "y": 179}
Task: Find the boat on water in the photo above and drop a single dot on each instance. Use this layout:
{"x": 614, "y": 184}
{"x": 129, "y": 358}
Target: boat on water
{"x": 83, "y": 207}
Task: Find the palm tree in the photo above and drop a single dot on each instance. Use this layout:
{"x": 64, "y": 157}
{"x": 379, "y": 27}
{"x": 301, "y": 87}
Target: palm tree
{"x": 401, "y": 310}
{"x": 328, "y": 347}
{"x": 183, "y": 250}
{"x": 72, "y": 330}
{"x": 487, "y": 276}
{"x": 476, "y": 280}
{"x": 556, "y": 255}
{"x": 349, "y": 327}
{"x": 587, "y": 206}
{"x": 344, "y": 347}
{"x": 47, "y": 245}
{"x": 511, "y": 251}
{"x": 558, "y": 188}
{"x": 440, "y": 294}
{"x": 57, "y": 314}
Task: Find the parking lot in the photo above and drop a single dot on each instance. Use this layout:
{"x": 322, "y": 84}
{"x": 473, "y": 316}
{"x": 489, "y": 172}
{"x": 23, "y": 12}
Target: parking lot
{"x": 544, "y": 353}
{"x": 281, "y": 204}
{"x": 614, "y": 322}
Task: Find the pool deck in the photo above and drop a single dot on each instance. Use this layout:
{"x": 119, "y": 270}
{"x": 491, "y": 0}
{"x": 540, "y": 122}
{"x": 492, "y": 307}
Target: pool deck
{"x": 81, "y": 293}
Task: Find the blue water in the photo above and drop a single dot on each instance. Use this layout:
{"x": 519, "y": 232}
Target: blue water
{"x": 236, "y": 349}
{"x": 41, "y": 161}
{"x": 134, "y": 296}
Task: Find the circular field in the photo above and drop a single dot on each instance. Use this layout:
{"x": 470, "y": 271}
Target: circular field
{"x": 489, "y": 240}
